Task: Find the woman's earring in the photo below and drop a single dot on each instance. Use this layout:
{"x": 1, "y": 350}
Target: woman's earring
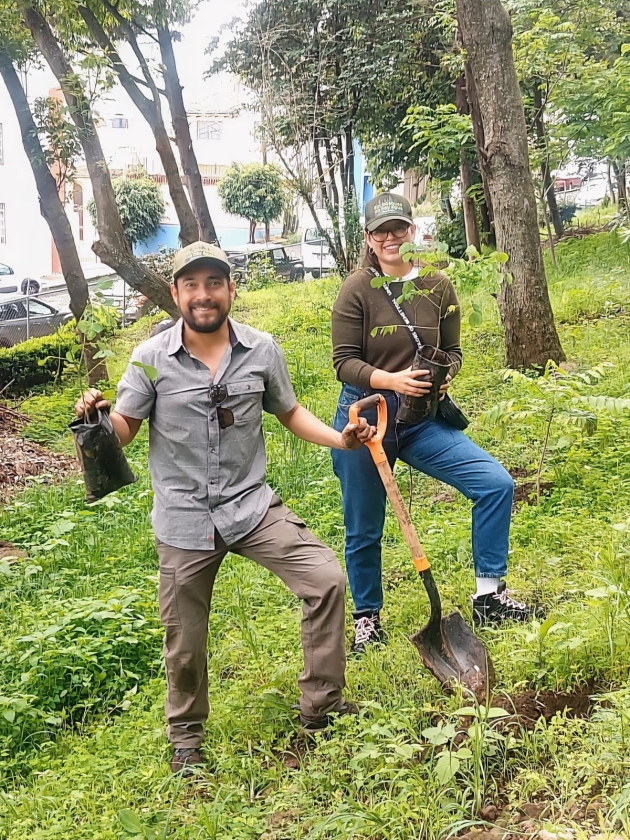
{"x": 370, "y": 249}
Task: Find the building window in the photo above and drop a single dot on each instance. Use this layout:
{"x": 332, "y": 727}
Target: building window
{"x": 208, "y": 130}
{"x": 120, "y": 122}
{"x": 1, "y": 146}
{"x": 3, "y": 225}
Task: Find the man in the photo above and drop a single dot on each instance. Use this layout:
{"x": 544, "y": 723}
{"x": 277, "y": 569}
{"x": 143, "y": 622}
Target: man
{"x": 207, "y": 461}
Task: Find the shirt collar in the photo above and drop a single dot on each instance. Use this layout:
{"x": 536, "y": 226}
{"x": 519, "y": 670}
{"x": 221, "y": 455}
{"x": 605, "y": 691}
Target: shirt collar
{"x": 176, "y": 341}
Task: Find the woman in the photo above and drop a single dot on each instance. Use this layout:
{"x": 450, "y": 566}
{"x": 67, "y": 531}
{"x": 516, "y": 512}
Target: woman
{"x": 367, "y": 362}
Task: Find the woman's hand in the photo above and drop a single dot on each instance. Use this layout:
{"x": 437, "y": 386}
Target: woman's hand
{"x": 406, "y": 382}
{"x": 444, "y": 388}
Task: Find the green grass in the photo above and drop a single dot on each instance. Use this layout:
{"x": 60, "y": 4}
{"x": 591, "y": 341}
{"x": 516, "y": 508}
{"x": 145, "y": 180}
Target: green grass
{"x": 81, "y": 680}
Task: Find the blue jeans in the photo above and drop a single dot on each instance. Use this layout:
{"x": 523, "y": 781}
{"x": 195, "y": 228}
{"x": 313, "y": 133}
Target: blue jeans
{"x": 434, "y": 448}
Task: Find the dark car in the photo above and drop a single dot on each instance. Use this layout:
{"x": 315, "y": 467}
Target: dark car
{"x": 289, "y": 269}
{"x": 15, "y": 326}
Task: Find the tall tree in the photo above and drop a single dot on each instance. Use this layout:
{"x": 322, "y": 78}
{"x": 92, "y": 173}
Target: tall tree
{"x": 531, "y": 337}
{"x": 50, "y": 204}
{"x": 149, "y": 105}
{"x": 181, "y": 127}
{"x": 112, "y": 247}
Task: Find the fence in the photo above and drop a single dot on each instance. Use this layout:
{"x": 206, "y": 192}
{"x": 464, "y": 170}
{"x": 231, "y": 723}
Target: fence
{"x": 31, "y": 315}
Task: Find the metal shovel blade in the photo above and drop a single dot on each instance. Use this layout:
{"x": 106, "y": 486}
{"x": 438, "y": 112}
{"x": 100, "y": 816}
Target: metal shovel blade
{"x": 455, "y": 655}
{"x": 451, "y": 651}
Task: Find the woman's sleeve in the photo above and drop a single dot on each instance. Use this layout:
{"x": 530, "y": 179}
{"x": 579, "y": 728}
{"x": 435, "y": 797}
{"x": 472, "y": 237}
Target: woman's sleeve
{"x": 347, "y": 338}
{"x": 451, "y": 326}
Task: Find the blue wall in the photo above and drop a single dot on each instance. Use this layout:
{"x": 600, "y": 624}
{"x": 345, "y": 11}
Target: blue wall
{"x": 167, "y": 236}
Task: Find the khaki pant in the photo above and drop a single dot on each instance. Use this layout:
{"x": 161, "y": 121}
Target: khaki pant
{"x": 283, "y": 544}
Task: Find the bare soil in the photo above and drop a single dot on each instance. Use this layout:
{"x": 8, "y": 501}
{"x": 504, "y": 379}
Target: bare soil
{"x": 21, "y": 459}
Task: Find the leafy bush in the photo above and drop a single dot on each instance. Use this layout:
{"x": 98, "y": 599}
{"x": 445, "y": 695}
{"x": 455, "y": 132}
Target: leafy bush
{"x": 35, "y": 362}
{"x": 140, "y": 205}
{"x": 452, "y": 232}
{"x": 161, "y": 262}
{"x": 260, "y": 272}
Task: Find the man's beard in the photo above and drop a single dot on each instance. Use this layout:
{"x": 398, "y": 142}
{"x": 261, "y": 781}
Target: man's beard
{"x": 205, "y": 328}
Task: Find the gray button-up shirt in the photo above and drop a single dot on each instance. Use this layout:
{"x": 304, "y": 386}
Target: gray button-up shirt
{"x": 205, "y": 477}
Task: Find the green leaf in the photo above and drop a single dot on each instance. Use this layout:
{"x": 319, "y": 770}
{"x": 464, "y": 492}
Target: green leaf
{"x": 404, "y": 750}
{"x": 149, "y": 371}
{"x": 466, "y": 711}
{"x": 9, "y": 715}
{"x": 495, "y": 712}
{"x": 446, "y": 767}
{"x": 501, "y": 256}
{"x": 130, "y": 822}
{"x": 475, "y": 319}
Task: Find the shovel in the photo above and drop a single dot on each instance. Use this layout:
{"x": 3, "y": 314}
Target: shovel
{"x": 448, "y": 647}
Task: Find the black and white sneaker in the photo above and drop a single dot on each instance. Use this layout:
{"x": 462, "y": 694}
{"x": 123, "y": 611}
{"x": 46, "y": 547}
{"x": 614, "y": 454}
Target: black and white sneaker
{"x": 497, "y": 607}
{"x": 367, "y": 631}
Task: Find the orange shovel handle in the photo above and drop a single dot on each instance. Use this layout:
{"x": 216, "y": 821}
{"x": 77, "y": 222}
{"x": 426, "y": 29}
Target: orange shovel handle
{"x": 375, "y": 445}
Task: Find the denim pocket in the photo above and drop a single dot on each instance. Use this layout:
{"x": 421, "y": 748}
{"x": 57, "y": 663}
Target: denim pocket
{"x": 349, "y": 395}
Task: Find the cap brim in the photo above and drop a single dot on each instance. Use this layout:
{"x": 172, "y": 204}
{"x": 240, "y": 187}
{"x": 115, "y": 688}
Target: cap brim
{"x": 371, "y": 226}
{"x": 204, "y": 261}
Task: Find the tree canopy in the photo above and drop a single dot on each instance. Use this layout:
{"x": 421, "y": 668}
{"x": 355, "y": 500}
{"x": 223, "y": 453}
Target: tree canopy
{"x": 253, "y": 191}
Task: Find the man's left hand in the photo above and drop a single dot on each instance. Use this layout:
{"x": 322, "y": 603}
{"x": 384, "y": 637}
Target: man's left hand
{"x": 356, "y": 434}
{"x": 444, "y": 388}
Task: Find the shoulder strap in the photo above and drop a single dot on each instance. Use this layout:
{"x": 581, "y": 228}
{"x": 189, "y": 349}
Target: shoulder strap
{"x": 399, "y": 309}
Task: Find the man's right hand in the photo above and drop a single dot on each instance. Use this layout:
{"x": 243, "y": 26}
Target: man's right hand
{"x": 406, "y": 382}
{"x": 89, "y": 401}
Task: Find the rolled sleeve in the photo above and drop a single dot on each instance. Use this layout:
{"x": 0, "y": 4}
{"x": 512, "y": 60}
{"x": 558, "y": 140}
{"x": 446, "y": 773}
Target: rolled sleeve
{"x": 279, "y": 397}
{"x": 136, "y": 393}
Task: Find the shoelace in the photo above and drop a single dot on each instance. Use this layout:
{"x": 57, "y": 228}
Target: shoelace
{"x": 510, "y": 603}
{"x": 364, "y": 629}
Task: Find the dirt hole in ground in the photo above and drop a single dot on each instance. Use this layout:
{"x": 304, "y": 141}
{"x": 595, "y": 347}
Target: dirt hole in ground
{"x": 525, "y": 486}
{"x": 528, "y": 707}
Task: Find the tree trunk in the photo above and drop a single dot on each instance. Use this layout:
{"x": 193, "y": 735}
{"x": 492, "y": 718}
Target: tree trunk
{"x": 531, "y": 338}
{"x": 545, "y": 169}
{"x": 252, "y": 231}
{"x": 175, "y": 98}
{"x": 619, "y": 169}
{"x": 51, "y": 208}
{"x": 611, "y": 189}
{"x": 152, "y": 113}
{"x": 487, "y": 214}
{"x": 466, "y": 173}
{"x": 112, "y": 248}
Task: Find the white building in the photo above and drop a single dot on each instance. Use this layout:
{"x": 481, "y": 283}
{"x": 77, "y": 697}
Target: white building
{"x": 25, "y": 242}
{"x": 223, "y": 131}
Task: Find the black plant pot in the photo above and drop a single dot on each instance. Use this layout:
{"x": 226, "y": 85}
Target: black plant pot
{"x": 416, "y": 409}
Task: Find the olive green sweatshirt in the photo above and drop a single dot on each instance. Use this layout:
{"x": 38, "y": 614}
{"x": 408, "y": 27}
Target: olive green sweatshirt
{"x": 360, "y": 309}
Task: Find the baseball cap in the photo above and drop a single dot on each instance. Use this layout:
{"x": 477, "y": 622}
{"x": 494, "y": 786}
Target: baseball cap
{"x": 387, "y": 207}
{"x": 198, "y": 253}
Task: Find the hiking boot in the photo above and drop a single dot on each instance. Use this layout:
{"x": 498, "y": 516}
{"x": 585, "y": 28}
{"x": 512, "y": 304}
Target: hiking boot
{"x": 185, "y": 760}
{"x": 367, "y": 631}
{"x": 497, "y": 607}
{"x": 319, "y": 724}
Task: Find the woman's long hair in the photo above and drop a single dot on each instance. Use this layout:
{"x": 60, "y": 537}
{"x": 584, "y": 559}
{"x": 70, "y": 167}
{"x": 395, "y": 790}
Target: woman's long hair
{"x": 369, "y": 259}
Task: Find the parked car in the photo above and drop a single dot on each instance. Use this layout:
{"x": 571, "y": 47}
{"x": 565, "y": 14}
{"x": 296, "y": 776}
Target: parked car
{"x": 316, "y": 253}
{"x": 11, "y": 283}
{"x": 289, "y": 269}
{"x": 15, "y": 326}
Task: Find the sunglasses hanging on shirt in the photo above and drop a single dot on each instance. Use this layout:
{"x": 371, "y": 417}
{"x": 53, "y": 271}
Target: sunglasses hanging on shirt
{"x": 225, "y": 416}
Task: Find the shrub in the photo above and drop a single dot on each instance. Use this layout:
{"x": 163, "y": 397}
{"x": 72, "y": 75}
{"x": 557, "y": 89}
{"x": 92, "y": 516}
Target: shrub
{"x": 36, "y": 361}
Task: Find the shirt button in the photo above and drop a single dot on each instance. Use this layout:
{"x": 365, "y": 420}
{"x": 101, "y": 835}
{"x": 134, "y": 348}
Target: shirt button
{"x": 212, "y": 450}
{"x": 212, "y": 418}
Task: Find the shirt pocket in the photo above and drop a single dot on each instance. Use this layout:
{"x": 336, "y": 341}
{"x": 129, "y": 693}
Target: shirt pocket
{"x": 244, "y": 399}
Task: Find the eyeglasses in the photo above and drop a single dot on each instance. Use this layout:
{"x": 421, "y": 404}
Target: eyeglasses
{"x": 398, "y": 232}
{"x": 225, "y": 416}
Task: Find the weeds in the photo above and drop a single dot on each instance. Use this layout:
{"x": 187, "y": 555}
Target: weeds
{"x": 82, "y": 751}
